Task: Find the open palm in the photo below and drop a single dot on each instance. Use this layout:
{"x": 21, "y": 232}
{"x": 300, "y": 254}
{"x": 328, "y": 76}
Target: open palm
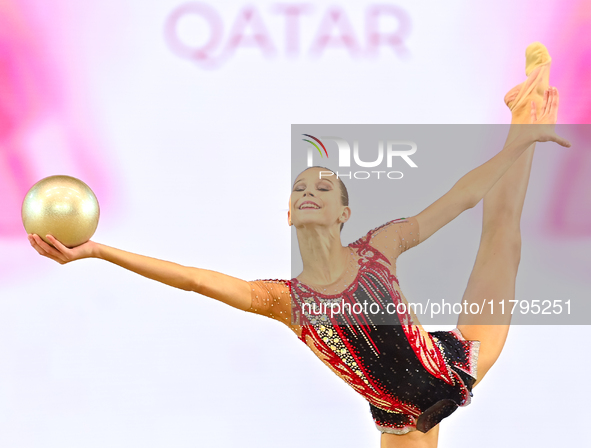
{"x": 59, "y": 252}
{"x": 544, "y": 131}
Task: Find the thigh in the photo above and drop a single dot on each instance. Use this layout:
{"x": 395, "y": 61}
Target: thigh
{"x": 491, "y": 282}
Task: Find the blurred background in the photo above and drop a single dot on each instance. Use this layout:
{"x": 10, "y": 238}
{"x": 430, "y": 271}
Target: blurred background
{"x": 178, "y": 116}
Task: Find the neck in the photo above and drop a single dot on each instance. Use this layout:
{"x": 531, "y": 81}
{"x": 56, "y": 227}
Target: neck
{"x": 323, "y": 255}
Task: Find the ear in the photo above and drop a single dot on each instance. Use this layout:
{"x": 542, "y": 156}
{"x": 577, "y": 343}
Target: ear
{"x": 345, "y": 215}
{"x": 289, "y": 212}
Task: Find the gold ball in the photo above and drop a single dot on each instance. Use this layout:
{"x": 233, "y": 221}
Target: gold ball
{"x": 61, "y": 206}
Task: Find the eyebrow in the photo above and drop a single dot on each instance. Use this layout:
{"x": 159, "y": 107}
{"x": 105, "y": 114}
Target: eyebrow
{"x": 301, "y": 180}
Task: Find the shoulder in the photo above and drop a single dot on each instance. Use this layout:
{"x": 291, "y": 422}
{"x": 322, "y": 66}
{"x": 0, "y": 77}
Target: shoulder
{"x": 399, "y": 225}
{"x": 269, "y": 289}
{"x": 393, "y": 237}
{"x": 271, "y": 298}
{"x": 269, "y": 282}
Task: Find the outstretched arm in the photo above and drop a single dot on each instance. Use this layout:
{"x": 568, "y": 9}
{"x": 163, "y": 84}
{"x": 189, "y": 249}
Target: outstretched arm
{"x": 472, "y": 187}
{"x": 230, "y": 290}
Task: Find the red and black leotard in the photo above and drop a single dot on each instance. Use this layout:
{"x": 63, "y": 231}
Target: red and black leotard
{"x": 411, "y": 378}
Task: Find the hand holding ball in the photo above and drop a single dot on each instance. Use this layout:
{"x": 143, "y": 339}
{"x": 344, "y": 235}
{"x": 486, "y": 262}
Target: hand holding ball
{"x": 61, "y": 206}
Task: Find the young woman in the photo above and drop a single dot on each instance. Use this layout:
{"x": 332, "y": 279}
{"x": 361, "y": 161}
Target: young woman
{"x": 411, "y": 378}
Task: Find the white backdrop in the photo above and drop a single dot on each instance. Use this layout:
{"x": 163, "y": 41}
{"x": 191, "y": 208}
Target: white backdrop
{"x": 194, "y": 167}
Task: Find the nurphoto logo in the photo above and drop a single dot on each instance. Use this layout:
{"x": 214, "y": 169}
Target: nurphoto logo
{"x": 394, "y": 148}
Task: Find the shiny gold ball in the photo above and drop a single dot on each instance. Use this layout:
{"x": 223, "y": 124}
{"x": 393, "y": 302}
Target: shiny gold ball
{"x": 61, "y": 206}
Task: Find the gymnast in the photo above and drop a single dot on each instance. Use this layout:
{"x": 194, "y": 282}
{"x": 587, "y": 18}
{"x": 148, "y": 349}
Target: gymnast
{"x": 411, "y": 378}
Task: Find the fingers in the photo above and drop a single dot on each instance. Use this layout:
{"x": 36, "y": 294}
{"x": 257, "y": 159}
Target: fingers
{"x": 42, "y": 247}
{"x": 554, "y": 105}
{"x": 553, "y": 137}
{"x": 36, "y": 246}
{"x": 551, "y": 109}
{"x": 59, "y": 246}
{"x": 562, "y": 142}
{"x": 45, "y": 249}
{"x": 545, "y": 104}
{"x": 533, "y": 114}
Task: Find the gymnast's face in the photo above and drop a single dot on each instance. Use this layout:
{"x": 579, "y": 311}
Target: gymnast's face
{"x": 316, "y": 200}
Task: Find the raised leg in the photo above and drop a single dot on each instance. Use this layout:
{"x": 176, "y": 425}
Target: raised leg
{"x": 495, "y": 269}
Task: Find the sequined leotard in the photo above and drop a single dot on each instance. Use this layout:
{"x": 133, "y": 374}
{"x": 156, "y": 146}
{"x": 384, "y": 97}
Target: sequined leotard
{"x": 411, "y": 378}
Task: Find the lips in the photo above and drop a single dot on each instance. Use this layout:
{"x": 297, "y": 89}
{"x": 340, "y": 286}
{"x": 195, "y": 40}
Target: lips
{"x": 308, "y": 205}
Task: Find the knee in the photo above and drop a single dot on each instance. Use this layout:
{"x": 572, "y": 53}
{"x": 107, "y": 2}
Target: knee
{"x": 514, "y": 248}
{"x": 490, "y": 351}
{"x": 484, "y": 365}
{"x": 505, "y": 240}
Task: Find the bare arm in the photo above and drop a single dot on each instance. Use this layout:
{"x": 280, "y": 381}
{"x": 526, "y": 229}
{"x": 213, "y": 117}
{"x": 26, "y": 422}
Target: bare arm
{"x": 473, "y": 186}
{"x": 469, "y": 190}
{"x": 230, "y": 290}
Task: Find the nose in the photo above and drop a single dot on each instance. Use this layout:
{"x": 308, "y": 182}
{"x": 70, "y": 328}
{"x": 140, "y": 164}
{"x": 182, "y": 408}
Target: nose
{"x": 308, "y": 193}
